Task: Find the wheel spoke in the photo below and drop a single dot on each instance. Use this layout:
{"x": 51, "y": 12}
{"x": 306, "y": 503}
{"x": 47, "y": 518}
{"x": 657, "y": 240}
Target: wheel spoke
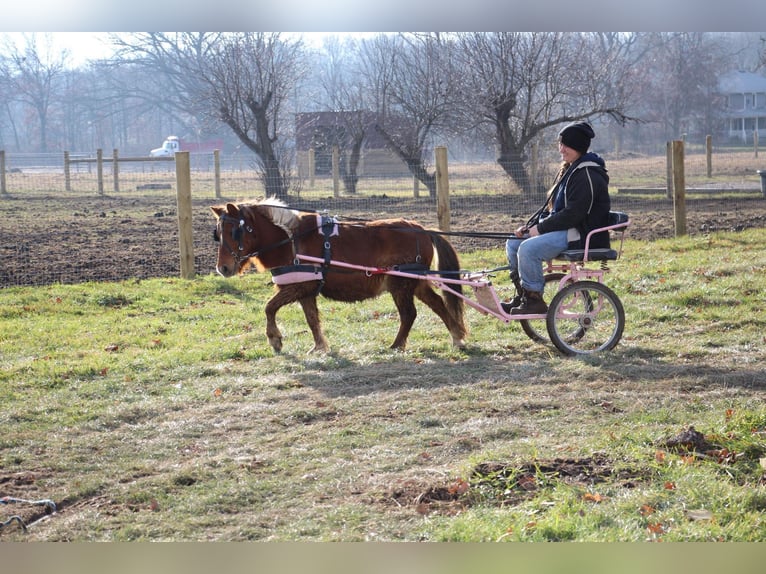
{"x": 585, "y": 317}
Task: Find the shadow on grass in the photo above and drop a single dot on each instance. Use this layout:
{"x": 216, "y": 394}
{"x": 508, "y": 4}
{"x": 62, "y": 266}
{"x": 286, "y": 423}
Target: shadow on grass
{"x": 337, "y": 376}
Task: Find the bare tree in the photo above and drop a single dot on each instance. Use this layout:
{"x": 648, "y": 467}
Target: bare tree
{"x": 250, "y": 77}
{"x": 170, "y": 66}
{"x": 32, "y": 73}
{"x": 522, "y": 84}
{"x": 243, "y": 80}
{"x": 411, "y": 77}
{"x": 343, "y": 91}
{"x": 683, "y": 75}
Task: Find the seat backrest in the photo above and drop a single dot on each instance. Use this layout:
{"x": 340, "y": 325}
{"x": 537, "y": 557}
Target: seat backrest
{"x": 618, "y": 217}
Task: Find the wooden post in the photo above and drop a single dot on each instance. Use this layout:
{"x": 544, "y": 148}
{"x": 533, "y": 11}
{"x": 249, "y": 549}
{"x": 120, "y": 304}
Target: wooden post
{"x": 679, "y": 188}
{"x": 312, "y": 167}
{"x": 335, "y": 171}
{"x": 442, "y": 189}
{"x": 533, "y": 171}
{"x": 415, "y": 187}
{"x": 67, "y": 174}
{"x": 3, "y": 188}
{"x": 100, "y": 170}
{"x": 709, "y": 154}
{"x": 669, "y": 170}
{"x": 217, "y": 168}
{"x": 116, "y": 170}
{"x": 183, "y": 195}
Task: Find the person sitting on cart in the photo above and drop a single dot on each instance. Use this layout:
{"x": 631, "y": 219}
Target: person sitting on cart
{"x": 577, "y": 203}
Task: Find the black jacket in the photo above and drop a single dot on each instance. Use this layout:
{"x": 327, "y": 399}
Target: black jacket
{"x": 581, "y": 201}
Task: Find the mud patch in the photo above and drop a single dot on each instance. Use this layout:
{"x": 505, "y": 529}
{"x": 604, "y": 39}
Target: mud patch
{"x": 510, "y": 484}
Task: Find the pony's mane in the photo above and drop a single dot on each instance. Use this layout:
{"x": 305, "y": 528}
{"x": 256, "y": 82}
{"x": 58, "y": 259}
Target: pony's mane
{"x": 279, "y": 213}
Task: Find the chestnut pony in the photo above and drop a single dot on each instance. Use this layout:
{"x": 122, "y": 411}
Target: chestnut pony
{"x": 271, "y": 236}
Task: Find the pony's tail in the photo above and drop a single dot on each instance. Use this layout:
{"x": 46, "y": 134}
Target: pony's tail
{"x": 449, "y": 261}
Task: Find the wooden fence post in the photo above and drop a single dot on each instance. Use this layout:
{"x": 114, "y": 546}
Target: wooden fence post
{"x": 100, "y": 170}
{"x": 116, "y": 170}
{"x": 669, "y": 169}
{"x": 217, "y": 168}
{"x": 3, "y": 188}
{"x": 183, "y": 195}
{"x": 312, "y": 167}
{"x": 67, "y": 174}
{"x": 335, "y": 171}
{"x": 709, "y": 154}
{"x": 533, "y": 170}
{"x": 679, "y": 188}
{"x": 442, "y": 189}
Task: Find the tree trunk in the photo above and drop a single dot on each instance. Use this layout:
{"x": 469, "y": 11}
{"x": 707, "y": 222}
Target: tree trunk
{"x": 413, "y": 161}
{"x": 273, "y": 179}
{"x": 511, "y": 157}
{"x": 512, "y": 162}
{"x": 350, "y": 168}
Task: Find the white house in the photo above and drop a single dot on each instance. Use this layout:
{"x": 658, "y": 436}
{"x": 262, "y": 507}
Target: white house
{"x": 745, "y": 111}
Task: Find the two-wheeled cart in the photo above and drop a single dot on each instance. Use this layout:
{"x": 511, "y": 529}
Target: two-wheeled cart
{"x": 584, "y": 315}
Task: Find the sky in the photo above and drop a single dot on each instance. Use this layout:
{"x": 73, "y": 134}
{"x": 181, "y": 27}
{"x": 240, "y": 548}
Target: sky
{"x": 84, "y": 46}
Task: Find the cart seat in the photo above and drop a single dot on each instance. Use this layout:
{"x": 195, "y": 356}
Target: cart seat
{"x": 593, "y": 255}
{"x": 618, "y": 222}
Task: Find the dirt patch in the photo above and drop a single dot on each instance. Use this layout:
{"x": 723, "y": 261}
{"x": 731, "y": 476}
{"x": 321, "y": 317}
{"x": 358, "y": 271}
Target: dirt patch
{"x": 509, "y": 484}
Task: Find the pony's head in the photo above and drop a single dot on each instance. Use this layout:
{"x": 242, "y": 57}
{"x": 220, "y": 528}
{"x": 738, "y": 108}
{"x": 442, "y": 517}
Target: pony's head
{"x": 245, "y": 230}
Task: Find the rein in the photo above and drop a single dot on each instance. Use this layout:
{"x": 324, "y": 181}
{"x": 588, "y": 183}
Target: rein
{"x": 325, "y": 227}
{"x": 476, "y": 234}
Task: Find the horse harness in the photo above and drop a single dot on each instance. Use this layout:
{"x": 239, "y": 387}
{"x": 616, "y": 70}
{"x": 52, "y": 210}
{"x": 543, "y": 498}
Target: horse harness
{"x": 294, "y": 273}
{"x": 297, "y": 272}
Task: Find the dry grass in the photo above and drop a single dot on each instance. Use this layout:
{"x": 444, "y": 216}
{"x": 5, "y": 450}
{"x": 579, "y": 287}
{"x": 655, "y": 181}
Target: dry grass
{"x": 154, "y": 410}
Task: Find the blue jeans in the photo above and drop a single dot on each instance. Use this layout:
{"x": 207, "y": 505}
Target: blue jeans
{"x": 526, "y": 256}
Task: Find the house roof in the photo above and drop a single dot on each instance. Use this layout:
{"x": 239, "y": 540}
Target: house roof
{"x": 742, "y": 82}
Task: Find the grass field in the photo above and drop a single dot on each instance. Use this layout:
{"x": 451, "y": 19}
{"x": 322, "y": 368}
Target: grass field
{"x": 155, "y": 410}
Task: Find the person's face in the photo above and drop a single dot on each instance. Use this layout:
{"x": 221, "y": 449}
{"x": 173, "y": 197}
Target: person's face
{"x": 568, "y": 154}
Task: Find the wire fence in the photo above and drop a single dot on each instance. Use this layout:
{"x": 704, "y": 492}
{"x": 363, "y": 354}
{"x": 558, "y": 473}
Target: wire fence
{"x": 96, "y": 228}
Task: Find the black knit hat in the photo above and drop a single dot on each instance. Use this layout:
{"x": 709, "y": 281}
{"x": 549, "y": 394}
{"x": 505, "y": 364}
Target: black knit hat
{"x": 577, "y": 136}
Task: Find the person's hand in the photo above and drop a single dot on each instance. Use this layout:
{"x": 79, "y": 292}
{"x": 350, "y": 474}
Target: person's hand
{"x": 521, "y": 231}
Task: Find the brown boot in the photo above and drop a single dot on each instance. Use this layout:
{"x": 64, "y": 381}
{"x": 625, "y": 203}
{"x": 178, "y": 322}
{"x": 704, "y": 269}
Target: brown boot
{"x": 531, "y": 304}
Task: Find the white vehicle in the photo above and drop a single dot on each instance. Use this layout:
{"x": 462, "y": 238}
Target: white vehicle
{"x": 172, "y": 144}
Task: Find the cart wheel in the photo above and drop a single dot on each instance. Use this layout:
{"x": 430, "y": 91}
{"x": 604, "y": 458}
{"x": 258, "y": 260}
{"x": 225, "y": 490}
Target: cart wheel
{"x": 585, "y": 317}
{"x": 535, "y": 328}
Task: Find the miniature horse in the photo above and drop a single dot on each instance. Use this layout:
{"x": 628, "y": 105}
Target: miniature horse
{"x": 270, "y": 236}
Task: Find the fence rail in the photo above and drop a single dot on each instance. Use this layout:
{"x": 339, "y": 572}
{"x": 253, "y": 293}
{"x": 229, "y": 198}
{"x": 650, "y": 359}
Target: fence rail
{"x": 54, "y": 232}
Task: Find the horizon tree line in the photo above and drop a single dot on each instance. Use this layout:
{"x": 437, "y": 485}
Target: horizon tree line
{"x": 504, "y": 92}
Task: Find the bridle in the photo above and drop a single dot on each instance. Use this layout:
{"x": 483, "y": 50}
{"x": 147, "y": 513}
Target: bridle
{"x": 239, "y": 228}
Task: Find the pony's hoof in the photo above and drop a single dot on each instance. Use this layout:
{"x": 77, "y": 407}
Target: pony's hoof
{"x": 317, "y": 349}
{"x": 276, "y": 344}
